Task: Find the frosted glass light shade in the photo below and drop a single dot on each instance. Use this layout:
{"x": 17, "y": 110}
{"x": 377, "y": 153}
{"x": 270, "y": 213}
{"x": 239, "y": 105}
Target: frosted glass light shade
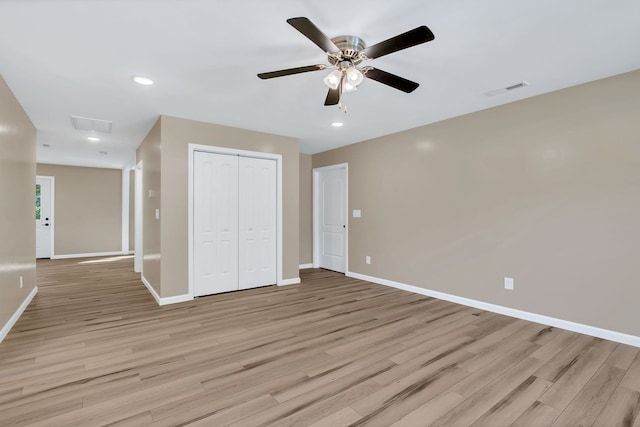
{"x": 354, "y": 76}
{"x": 333, "y": 79}
{"x": 348, "y": 87}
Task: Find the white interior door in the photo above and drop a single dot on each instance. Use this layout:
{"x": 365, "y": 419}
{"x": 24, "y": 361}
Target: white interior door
{"x": 333, "y": 222}
{"x": 138, "y": 215}
{"x": 44, "y": 219}
{"x": 257, "y": 216}
{"x": 215, "y": 222}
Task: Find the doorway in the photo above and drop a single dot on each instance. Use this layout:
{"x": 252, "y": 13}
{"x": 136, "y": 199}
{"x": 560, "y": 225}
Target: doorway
{"x": 44, "y": 216}
{"x": 330, "y": 217}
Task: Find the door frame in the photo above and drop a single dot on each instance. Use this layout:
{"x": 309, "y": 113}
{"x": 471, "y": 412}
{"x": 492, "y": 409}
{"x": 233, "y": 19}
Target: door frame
{"x": 138, "y": 220}
{"x": 279, "y": 228}
{"x": 316, "y": 213}
{"x": 52, "y": 200}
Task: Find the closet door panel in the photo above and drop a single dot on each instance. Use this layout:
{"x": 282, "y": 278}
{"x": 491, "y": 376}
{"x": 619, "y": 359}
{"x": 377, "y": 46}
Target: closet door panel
{"x": 215, "y": 188}
{"x": 257, "y": 222}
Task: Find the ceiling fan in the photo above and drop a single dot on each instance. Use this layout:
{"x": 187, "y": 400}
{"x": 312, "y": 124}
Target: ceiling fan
{"x": 346, "y": 53}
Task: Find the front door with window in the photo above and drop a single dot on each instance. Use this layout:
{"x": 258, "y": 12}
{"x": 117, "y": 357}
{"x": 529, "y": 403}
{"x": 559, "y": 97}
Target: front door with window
{"x": 44, "y": 219}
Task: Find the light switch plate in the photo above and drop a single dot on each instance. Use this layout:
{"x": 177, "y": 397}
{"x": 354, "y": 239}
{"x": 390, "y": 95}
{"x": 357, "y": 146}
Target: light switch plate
{"x": 157, "y": 213}
{"x": 357, "y": 213}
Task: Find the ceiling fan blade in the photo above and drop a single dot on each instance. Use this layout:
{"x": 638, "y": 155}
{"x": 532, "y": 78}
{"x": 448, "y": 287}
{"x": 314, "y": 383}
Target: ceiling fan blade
{"x": 333, "y": 97}
{"x": 313, "y": 33}
{"x": 290, "y": 71}
{"x": 392, "y": 80}
{"x": 402, "y": 41}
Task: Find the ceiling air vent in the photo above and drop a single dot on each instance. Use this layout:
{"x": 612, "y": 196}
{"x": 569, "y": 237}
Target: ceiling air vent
{"x": 495, "y": 92}
{"x": 84, "y": 123}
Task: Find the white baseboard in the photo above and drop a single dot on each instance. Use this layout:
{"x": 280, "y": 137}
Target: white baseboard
{"x": 533, "y": 317}
{"x": 175, "y": 299}
{"x": 166, "y": 300}
{"x": 285, "y": 282}
{"x": 89, "y": 255}
{"x": 303, "y": 266}
{"x": 12, "y": 321}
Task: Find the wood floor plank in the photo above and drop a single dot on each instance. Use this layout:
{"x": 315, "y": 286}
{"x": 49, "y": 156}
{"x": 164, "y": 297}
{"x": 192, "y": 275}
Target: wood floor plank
{"x": 230, "y": 414}
{"x": 321, "y": 408}
{"x": 622, "y": 409}
{"x": 588, "y": 403}
{"x": 430, "y": 411}
{"x": 480, "y": 378}
{"x": 94, "y": 348}
{"x": 632, "y": 378}
{"x": 537, "y": 415}
{"x": 579, "y": 372}
{"x": 490, "y": 354}
{"x": 342, "y": 418}
{"x": 402, "y": 397}
{"x": 479, "y": 403}
{"x": 355, "y": 386}
{"x": 509, "y": 408}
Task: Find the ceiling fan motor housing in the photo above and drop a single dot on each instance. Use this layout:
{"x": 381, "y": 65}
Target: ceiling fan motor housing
{"x": 350, "y": 48}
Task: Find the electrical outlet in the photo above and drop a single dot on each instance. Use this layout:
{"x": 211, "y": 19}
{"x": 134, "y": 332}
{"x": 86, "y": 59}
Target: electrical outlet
{"x": 367, "y": 259}
{"x": 508, "y": 283}
{"x": 21, "y": 283}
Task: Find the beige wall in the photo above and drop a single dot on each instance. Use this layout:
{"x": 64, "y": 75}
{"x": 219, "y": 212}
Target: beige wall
{"x": 132, "y": 204}
{"x": 306, "y": 216}
{"x": 17, "y": 204}
{"x": 87, "y": 209}
{"x": 544, "y": 190}
{"x": 176, "y": 135}
{"x": 149, "y": 154}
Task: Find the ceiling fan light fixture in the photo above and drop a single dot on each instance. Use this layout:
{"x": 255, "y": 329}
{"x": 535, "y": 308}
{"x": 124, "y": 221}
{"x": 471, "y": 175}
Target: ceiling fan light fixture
{"x": 354, "y": 76}
{"x": 333, "y": 79}
{"x": 347, "y": 87}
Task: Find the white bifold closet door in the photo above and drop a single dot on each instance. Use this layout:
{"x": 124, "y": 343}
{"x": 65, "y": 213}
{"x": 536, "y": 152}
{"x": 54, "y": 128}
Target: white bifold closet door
{"x": 234, "y": 223}
{"x": 257, "y": 222}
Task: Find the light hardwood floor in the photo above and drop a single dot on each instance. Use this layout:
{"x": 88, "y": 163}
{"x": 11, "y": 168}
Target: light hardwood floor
{"x": 93, "y": 348}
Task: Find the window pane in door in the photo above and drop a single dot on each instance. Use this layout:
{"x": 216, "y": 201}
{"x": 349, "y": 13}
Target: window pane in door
{"x": 37, "y": 202}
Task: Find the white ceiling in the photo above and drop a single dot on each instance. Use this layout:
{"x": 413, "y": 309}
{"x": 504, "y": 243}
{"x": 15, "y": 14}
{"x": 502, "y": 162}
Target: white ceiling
{"x": 64, "y": 58}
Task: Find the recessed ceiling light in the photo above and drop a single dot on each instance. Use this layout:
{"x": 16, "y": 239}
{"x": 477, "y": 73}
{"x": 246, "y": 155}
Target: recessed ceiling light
{"x": 337, "y": 124}
{"x": 141, "y": 80}
{"x": 93, "y": 139}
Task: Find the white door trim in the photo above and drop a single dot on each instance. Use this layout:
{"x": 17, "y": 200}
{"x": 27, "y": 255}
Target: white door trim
{"x": 316, "y": 213}
{"x": 223, "y": 150}
{"x": 125, "y": 210}
{"x": 137, "y": 228}
{"x": 52, "y": 179}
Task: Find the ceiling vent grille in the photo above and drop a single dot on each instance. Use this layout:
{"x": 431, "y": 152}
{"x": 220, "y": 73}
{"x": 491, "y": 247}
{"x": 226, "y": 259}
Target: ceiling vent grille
{"x": 97, "y": 125}
{"x": 495, "y": 92}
